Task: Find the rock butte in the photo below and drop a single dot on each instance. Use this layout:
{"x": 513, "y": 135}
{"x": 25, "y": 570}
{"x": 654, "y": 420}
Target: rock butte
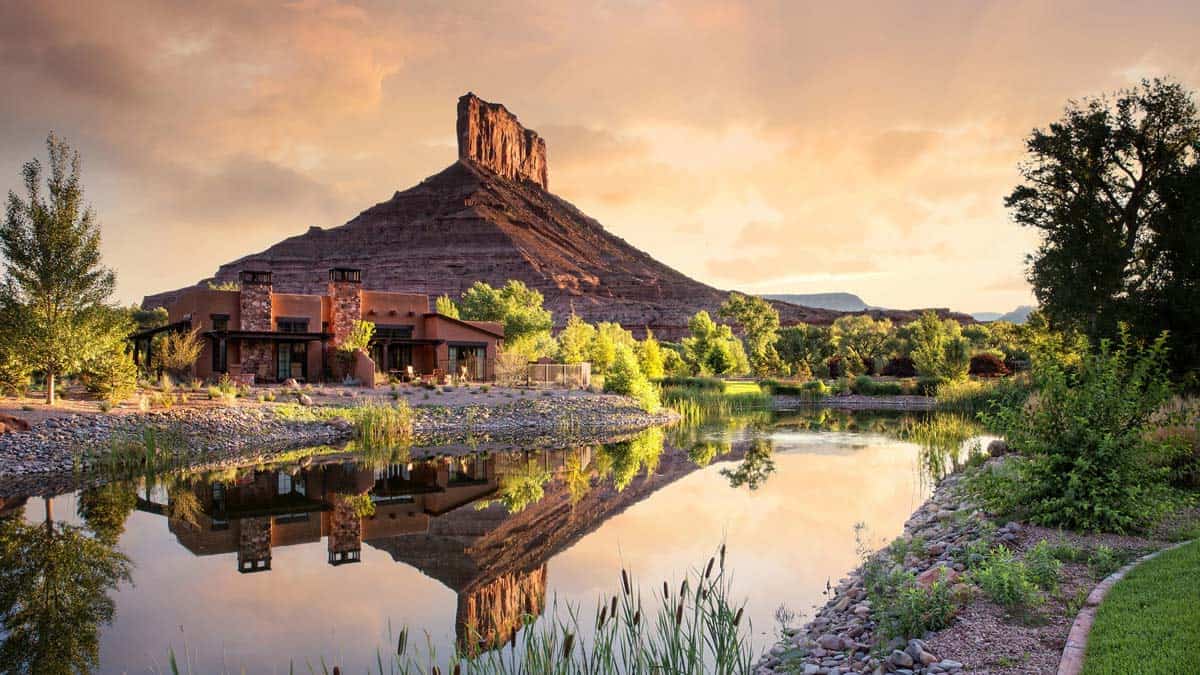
{"x": 489, "y": 217}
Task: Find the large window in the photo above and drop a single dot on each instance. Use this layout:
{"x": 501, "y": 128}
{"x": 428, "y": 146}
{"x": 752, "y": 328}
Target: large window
{"x": 291, "y": 325}
{"x": 469, "y": 359}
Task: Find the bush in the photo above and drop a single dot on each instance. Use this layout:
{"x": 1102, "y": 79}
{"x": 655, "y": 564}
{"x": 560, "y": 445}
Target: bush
{"x": 113, "y": 376}
{"x": 625, "y": 377}
{"x": 900, "y": 366}
{"x": 1103, "y": 561}
{"x": 179, "y": 352}
{"x": 1006, "y": 580}
{"x": 987, "y": 365}
{"x": 864, "y": 385}
{"x": 912, "y": 610}
{"x": 928, "y": 386}
{"x": 1043, "y": 566}
{"x": 1088, "y": 440}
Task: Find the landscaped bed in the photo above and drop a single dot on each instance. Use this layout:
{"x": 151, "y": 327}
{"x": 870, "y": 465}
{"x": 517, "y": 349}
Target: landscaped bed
{"x": 1150, "y": 620}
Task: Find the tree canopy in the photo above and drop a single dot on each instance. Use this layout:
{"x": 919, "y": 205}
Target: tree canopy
{"x": 1113, "y": 189}
{"x": 55, "y": 284}
{"x": 759, "y": 322}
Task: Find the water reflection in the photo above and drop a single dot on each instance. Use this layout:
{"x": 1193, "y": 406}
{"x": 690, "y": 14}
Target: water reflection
{"x": 485, "y": 525}
{"x": 55, "y": 584}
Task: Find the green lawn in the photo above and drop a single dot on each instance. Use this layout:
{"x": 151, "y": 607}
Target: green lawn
{"x": 742, "y": 387}
{"x": 1150, "y": 621}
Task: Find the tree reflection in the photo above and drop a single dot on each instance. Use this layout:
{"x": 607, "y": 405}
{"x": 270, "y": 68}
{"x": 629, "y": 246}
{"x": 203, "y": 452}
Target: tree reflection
{"x": 54, "y": 592}
{"x": 756, "y": 466}
{"x": 625, "y": 459}
{"x": 106, "y": 508}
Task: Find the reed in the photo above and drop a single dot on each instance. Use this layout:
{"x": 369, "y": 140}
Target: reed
{"x": 696, "y": 405}
{"x": 692, "y": 628}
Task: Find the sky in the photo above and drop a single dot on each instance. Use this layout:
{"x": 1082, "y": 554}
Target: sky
{"x": 788, "y": 147}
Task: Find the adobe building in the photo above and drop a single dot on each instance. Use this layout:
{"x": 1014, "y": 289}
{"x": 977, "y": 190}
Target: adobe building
{"x": 277, "y": 336}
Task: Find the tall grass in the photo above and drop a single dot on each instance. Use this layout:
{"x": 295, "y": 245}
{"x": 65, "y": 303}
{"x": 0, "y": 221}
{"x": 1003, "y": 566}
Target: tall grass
{"x": 379, "y": 426}
{"x": 696, "y": 405}
{"x": 690, "y": 629}
{"x": 942, "y": 438}
{"x": 131, "y": 453}
{"x": 976, "y": 396}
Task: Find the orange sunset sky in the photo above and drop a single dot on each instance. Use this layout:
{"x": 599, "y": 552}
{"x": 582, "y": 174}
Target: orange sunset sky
{"x": 769, "y": 147}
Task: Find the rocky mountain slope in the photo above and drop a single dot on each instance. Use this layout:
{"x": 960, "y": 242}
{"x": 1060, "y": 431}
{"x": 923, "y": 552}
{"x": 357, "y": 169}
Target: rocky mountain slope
{"x": 488, "y": 217}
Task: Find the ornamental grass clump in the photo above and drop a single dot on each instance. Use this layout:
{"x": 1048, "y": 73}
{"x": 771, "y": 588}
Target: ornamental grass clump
{"x": 382, "y": 426}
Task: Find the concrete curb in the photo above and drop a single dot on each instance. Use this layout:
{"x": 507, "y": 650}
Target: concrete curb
{"x": 1072, "y": 656}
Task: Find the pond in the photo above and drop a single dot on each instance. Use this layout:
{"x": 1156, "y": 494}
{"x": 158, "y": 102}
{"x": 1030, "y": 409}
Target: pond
{"x": 326, "y": 557}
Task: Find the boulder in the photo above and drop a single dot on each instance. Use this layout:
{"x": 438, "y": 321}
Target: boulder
{"x": 998, "y": 448}
{"x": 947, "y": 575}
{"x": 10, "y": 424}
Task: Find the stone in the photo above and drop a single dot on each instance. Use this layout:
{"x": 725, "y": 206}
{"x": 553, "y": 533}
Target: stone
{"x": 998, "y": 448}
{"x": 900, "y": 659}
{"x": 291, "y": 383}
{"x": 947, "y": 575}
{"x": 947, "y": 664}
{"x": 10, "y": 424}
{"x": 304, "y": 400}
{"x": 831, "y": 642}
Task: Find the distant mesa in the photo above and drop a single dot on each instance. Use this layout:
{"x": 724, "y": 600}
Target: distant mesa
{"x": 489, "y": 217}
{"x": 841, "y": 302}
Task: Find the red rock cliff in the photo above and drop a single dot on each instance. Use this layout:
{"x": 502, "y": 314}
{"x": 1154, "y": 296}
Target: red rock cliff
{"x": 491, "y": 136}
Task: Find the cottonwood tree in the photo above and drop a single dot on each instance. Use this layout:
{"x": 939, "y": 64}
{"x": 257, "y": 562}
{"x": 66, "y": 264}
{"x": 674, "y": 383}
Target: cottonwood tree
{"x": 1113, "y": 189}
{"x": 759, "y": 322}
{"x": 859, "y": 339}
{"x": 54, "y": 278}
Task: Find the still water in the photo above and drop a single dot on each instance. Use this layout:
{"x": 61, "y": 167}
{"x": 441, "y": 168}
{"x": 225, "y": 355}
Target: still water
{"x": 323, "y": 557}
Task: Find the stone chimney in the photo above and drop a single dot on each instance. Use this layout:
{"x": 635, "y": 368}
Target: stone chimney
{"x": 491, "y": 136}
{"x": 345, "y": 301}
{"x": 255, "y": 300}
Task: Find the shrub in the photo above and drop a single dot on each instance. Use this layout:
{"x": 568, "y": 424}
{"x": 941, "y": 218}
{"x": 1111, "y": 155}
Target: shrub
{"x": 703, "y": 383}
{"x": 1087, "y": 440}
{"x": 113, "y": 376}
{"x": 1043, "y": 566}
{"x": 900, "y": 366}
{"x": 912, "y": 610}
{"x": 1005, "y": 579}
{"x": 866, "y": 386}
{"x": 180, "y": 350}
{"x": 1103, "y": 561}
{"x": 14, "y": 373}
{"x": 987, "y": 365}
{"x": 625, "y": 377}
{"x": 928, "y": 386}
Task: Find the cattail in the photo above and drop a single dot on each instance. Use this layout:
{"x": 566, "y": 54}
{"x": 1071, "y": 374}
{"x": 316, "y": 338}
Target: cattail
{"x": 457, "y": 669}
{"x": 737, "y": 618}
{"x": 708, "y": 570}
{"x": 613, "y": 610}
{"x": 603, "y": 615}
{"x": 700, "y": 594}
{"x": 679, "y": 614}
{"x": 402, "y": 643}
{"x": 637, "y": 616}
{"x": 435, "y": 671}
{"x": 722, "y": 556}
{"x": 337, "y": 671}
{"x": 683, "y": 589}
{"x": 666, "y": 591}
{"x": 625, "y": 581}
{"x": 568, "y": 643}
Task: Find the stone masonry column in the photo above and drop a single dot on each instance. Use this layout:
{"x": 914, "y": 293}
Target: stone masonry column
{"x": 256, "y": 314}
{"x": 345, "y": 307}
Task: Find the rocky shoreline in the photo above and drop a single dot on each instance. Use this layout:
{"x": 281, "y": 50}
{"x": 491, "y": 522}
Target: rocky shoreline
{"x": 840, "y": 639}
{"x": 216, "y": 433}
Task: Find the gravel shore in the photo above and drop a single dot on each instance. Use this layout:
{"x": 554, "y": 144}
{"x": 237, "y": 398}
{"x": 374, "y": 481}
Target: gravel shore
{"x": 53, "y": 446}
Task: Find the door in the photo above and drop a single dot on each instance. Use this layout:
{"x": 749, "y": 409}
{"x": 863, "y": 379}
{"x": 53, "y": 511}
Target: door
{"x": 292, "y": 361}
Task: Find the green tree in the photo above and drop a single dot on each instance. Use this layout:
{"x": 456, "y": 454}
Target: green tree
{"x": 446, "y": 307}
{"x": 515, "y": 305}
{"x": 15, "y": 368}
{"x": 359, "y": 337}
{"x": 575, "y": 340}
{"x": 805, "y": 347}
{"x": 625, "y": 377}
{"x": 54, "y": 595}
{"x": 712, "y": 348}
{"x": 106, "y": 508}
{"x": 603, "y": 352}
{"x": 755, "y": 468}
{"x": 759, "y": 322}
{"x": 650, "y": 357}
{"x": 1113, "y": 190}
{"x": 939, "y": 348}
{"x": 54, "y": 277}
{"x": 860, "y": 339}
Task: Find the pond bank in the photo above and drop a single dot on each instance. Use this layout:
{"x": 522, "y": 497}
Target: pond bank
{"x": 855, "y": 402}
{"x": 214, "y": 432}
{"x": 944, "y": 539}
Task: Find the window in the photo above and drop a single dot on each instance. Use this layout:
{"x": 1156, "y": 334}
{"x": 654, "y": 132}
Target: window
{"x": 291, "y": 325}
{"x": 220, "y": 321}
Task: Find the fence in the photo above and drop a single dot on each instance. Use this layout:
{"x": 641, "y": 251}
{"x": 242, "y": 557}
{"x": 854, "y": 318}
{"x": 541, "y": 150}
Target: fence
{"x": 559, "y": 375}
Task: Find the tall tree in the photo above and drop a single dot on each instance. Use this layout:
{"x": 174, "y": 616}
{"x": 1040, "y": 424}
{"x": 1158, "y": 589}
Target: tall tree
{"x": 859, "y": 339}
{"x": 759, "y": 322}
{"x": 515, "y": 305}
{"x": 1112, "y": 189}
{"x": 54, "y": 279}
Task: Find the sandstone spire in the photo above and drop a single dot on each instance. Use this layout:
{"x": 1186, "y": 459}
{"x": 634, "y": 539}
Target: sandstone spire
{"x": 491, "y": 136}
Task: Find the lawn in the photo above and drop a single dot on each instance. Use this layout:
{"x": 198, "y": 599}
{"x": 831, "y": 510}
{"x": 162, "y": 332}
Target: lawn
{"x": 1150, "y": 621}
{"x": 742, "y": 387}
